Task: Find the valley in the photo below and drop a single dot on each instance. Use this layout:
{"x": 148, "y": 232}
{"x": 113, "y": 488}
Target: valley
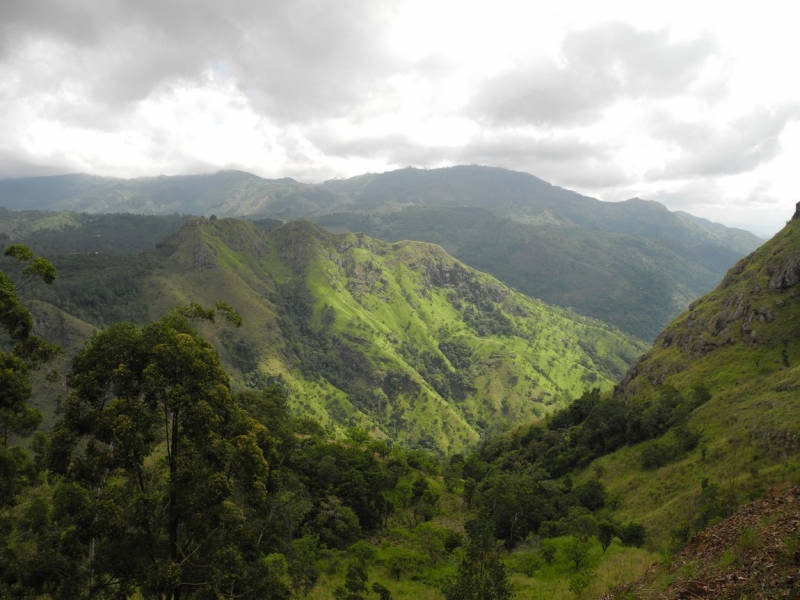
{"x": 364, "y": 414}
{"x": 632, "y": 264}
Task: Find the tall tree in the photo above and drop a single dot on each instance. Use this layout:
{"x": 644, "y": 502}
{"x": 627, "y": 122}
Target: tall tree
{"x": 481, "y": 575}
{"x": 23, "y": 350}
{"x": 177, "y": 468}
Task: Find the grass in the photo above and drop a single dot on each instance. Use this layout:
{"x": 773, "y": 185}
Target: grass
{"x": 618, "y": 564}
{"x": 750, "y": 426}
{"x": 381, "y": 297}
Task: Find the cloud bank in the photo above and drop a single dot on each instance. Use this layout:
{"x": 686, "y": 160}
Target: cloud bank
{"x": 611, "y": 107}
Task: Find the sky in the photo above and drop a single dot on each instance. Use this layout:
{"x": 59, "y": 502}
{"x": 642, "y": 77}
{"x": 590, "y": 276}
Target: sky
{"x": 693, "y": 104}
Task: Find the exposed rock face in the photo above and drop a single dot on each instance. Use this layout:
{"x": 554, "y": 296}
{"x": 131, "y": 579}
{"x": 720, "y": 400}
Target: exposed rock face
{"x": 204, "y": 258}
{"x": 796, "y": 211}
{"x": 785, "y": 274}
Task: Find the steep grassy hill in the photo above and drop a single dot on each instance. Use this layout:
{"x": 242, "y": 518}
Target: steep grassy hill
{"x": 635, "y": 283}
{"x": 741, "y": 341}
{"x": 397, "y": 337}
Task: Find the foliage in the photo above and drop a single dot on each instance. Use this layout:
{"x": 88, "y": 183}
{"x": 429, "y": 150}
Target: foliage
{"x": 481, "y": 575}
{"x": 611, "y": 266}
{"x": 548, "y": 551}
{"x": 580, "y": 581}
{"x": 514, "y": 474}
{"x": 576, "y": 550}
{"x": 633, "y": 534}
{"x": 606, "y": 532}
{"x": 25, "y": 350}
{"x": 365, "y": 333}
{"x": 355, "y": 584}
{"x": 161, "y": 386}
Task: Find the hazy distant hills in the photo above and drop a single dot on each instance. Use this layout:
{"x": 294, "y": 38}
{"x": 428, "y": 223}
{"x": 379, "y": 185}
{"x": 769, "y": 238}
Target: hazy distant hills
{"x": 634, "y": 264}
{"x": 399, "y": 338}
{"x": 235, "y": 193}
{"x": 227, "y": 193}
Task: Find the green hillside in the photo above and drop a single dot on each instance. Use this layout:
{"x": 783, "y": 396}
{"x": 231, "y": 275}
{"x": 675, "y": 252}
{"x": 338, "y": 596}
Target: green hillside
{"x": 404, "y": 341}
{"x": 398, "y": 338}
{"x": 636, "y": 283}
{"x": 704, "y": 421}
{"x": 742, "y": 341}
{"x": 633, "y": 264}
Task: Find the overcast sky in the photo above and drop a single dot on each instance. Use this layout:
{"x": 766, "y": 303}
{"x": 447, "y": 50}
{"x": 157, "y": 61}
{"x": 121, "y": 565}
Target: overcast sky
{"x": 695, "y": 104}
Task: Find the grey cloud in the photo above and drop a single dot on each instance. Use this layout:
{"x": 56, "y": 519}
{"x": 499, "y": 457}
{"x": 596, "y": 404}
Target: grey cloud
{"x": 395, "y": 149}
{"x": 685, "y": 196}
{"x": 16, "y": 163}
{"x": 293, "y": 59}
{"x": 490, "y": 146}
{"x": 736, "y": 147}
{"x": 544, "y": 94}
{"x": 555, "y": 149}
{"x": 600, "y": 66}
{"x": 73, "y": 22}
{"x": 564, "y": 160}
{"x": 642, "y": 62}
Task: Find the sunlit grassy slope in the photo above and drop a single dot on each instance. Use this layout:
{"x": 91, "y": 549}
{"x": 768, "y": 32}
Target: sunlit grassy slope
{"x": 399, "y": 338}
{"x": 742, "y": 341}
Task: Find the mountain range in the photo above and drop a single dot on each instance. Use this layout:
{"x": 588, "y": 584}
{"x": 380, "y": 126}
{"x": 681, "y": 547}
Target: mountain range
{"x": 403, "y": 340}
{"x": 633, "y": 264}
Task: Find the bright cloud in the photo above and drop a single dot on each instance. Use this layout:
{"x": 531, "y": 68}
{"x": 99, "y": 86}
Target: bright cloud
{"x": 692, "y": 104}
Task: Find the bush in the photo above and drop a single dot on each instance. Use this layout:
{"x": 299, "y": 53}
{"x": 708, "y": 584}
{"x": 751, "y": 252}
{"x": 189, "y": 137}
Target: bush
{"x": 548, "y": 551}
{"x": 402, "y": 563}
{"x": 591, "y": 495}
{"x": 526, "y": 562}
{"x": 633, "y": 534}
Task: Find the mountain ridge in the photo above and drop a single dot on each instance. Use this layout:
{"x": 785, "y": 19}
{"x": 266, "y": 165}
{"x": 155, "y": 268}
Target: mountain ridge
{"x": 35, "y": 193}
{"x": 740, "y": 342}
{"x": 650, "y": 262}
{"x": 400, "y": 338}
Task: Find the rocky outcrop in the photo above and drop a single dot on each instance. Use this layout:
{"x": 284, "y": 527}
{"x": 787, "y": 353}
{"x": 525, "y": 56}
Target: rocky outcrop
{"x": 785, "y": 274}
{"x": 204, "y": 258}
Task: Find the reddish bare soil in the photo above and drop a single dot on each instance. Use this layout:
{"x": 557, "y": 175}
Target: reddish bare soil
{"x": 753, "y": 554}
